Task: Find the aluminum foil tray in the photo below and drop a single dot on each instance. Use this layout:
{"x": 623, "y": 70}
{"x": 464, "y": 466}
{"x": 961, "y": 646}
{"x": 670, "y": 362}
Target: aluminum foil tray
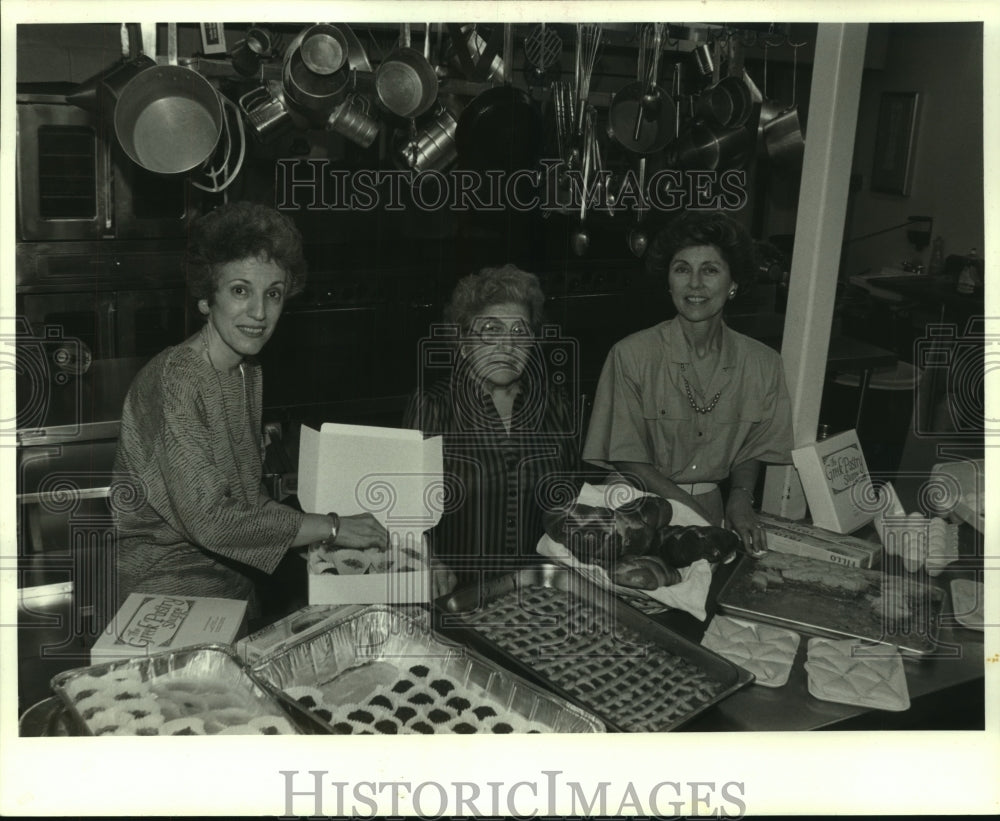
{"x": 200, "y": 690}
{"x": 550, "y": 625}
{"x": 384, "y": 671}
{"x": 810, "y": 604}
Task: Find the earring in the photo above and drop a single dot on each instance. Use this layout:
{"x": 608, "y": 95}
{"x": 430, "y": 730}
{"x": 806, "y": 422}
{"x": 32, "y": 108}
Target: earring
{"x": 732, "y": 293}
{"x": 203, "y": 306}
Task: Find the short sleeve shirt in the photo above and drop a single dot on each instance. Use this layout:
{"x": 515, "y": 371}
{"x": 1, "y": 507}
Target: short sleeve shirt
{"x": 642, "y": 413}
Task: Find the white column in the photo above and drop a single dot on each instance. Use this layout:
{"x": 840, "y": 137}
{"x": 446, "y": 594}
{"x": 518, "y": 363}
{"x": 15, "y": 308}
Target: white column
{"x": 819, "y": 232}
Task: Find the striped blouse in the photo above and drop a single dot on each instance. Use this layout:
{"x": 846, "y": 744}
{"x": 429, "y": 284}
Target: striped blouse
{"x": 192, "y": 515}
{"x": 498, "y": 483}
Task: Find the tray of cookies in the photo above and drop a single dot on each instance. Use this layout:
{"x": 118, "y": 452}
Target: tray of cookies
{"x": 199, "y": 690}
{"x": 834, "y": 601}
{"x": 552, "y": 626}
{"x": 383, "y": 671}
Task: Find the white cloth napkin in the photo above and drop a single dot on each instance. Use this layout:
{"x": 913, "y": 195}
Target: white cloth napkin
{"x": 689, "y": 594}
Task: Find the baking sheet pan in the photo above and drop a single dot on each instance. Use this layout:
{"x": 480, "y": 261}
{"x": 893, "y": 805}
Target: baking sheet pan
{"x": 199, "y": 690}
{"x": 400, "y": 638}
{"x": 820, "y": 612}
{"x": 552, "y": 626}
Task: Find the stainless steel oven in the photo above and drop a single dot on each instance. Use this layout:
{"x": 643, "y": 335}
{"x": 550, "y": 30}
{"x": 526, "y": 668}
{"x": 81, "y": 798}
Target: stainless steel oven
{"x": 74, "y": 182}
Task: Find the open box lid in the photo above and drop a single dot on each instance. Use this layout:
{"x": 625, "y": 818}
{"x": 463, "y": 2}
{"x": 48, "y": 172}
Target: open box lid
{"x": 395, "y": 474}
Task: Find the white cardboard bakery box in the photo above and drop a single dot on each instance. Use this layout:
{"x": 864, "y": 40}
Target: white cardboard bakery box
{"x": 836, "y": 482}
{"x": 396, "y": 475}
{"x": 150, "y": 623}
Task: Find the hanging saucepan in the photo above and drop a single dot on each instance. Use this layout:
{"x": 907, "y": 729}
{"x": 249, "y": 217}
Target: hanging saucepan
{"x": 783, "y": 139}
{"x": 406, "y": 83}
{"x": 168, "y": 119}
{"x": 654, "y": 131}
{"x": 728, "y": 103}
{"x": 324, "y": 48}
{"x": 314, "y": 94}
{"x": 708, "y": 147}
{"x": 499, "y": 129}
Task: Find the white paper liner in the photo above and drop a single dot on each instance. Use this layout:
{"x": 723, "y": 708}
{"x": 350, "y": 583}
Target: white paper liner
{"x": 766, "y": 651}
{"x": 967, "y": 603}
{"x": 848, "y": 672}
{"x": 689, "y": 594}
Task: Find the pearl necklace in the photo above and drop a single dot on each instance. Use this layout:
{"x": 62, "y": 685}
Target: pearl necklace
{"x": 690, "y": 396}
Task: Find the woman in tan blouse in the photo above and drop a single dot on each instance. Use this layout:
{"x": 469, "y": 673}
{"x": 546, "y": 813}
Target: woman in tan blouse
{"x": 689, "y": 403}
{"x": 193, "y": 517}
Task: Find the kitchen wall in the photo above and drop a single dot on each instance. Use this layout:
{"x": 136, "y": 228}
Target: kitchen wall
{"x": 943, "y": 62}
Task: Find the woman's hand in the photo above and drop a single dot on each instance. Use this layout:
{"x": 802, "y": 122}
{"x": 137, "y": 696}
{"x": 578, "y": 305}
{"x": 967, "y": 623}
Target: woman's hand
{"x": 443, "y": 579}
{"x": 741, "y": 518}
{"x": 361, "y": 530}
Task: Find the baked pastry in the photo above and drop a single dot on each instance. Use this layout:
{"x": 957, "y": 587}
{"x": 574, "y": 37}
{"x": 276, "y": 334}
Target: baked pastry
{"x": 639, "y": 685}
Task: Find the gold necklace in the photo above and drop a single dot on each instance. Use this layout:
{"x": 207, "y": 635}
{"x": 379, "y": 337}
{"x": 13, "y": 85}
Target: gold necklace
{"x": 690, "y": 395}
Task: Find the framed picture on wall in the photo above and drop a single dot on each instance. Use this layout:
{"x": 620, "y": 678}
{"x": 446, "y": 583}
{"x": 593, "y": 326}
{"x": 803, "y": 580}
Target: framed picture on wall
{"x": 895, "y": 143}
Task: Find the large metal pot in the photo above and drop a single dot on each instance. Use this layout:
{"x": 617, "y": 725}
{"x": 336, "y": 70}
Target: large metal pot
{"x": 312, "y": 92}
{"x": 324, "y": 48}
{"x": 168, "y": 119}
{"x": 709, "y": 147}
{"x": 783, "y": 139}
{"x": 406, "y": 83}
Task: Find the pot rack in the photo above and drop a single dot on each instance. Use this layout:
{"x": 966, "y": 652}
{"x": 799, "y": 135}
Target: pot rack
{"x": 470, "y": 59}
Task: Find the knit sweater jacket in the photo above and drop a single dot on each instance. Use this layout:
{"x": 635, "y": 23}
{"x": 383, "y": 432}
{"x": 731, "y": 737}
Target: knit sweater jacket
{"x": 192, "y": 514}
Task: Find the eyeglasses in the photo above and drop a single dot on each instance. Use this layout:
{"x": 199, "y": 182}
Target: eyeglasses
{"x": 492, "y": 331}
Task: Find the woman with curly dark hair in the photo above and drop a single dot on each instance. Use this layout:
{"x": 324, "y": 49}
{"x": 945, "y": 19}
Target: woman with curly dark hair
{"x": 194, "y": 518}
{"x": 689, "y": 403}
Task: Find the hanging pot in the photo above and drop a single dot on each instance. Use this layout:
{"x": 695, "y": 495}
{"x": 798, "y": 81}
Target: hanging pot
{"x": 352, "y": 119}
{"x": 168, "y": 119}
{"x": 311, "y": 92}
{"x": 433, "y": 148}
{"x": 406, "y": 83}
{"x": 499, "y": 129}
{"x": 783, "y": 139}
{"x": 324, "y": 48}
{"x": 656, "y": 127}
{"x": 704, "y": 146}
{"x": 728, "y": 103}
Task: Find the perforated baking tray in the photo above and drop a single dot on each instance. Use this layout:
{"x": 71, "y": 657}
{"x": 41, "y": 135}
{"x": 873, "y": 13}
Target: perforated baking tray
{"x": 367, "y": 652}
{"x": 554, "y": 627}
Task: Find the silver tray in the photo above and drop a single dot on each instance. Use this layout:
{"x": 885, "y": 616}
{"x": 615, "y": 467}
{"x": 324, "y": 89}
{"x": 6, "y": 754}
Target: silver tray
{"x": 616, "y": 642}
{"x": 819, "y": 612}
{"x": 211, "y": 665}
{"x": 403, "y": 636}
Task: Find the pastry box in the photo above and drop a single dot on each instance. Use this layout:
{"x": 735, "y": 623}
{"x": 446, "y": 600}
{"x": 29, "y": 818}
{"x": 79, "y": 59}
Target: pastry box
{"x": 551, "y": 625}
{"x": 203, "y": 690}
{"x": 383, "y": 671}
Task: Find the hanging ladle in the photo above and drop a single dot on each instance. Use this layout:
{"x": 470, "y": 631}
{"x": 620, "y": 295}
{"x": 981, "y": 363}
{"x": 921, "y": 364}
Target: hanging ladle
{"x": 580, "y": 240}
{"x": 649, "y": 102}
{"x": 637, "y": 237}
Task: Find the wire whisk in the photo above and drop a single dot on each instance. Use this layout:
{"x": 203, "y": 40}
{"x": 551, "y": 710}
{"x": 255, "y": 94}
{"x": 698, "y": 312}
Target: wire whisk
{"x": 588, "y": 39}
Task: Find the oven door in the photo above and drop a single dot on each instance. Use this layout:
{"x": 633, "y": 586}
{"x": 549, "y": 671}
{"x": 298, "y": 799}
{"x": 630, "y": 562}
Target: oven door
{"x": 79, "y": 352}
{"x": 62, "y": 165}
